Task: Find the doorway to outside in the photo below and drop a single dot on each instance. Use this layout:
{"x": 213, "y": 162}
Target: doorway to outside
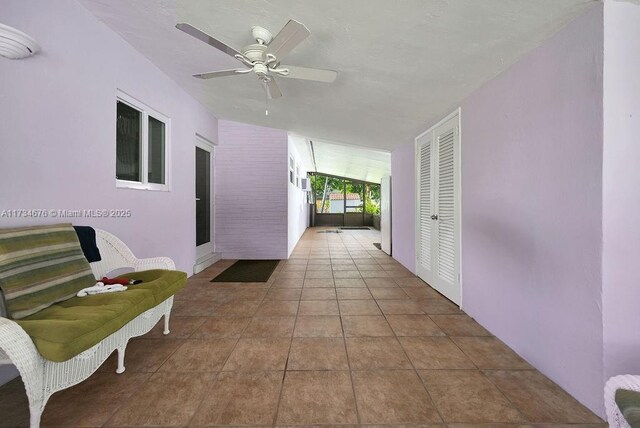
{"x": 340, "y": 201}
{"x": 205, "y": 204}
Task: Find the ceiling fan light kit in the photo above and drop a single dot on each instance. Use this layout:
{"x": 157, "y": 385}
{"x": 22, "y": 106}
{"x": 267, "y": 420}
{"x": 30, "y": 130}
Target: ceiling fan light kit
{"x": 15, "y": 44}
{"x": 263, "y": 57}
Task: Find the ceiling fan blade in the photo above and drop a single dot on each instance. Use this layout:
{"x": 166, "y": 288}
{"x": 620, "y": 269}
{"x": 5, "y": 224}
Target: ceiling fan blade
{"x": 221, "y": 73}
{"x": 201, "y": 35}
{"x": 291, "y": 35}
{"x": 273, "y": 91}
{"x": 315, "y": 74}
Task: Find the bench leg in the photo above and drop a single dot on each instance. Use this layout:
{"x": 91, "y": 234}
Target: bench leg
{"x": 121, "y": 350}
{"x": 36, "y": 407}
{"x": 166, "y": 322}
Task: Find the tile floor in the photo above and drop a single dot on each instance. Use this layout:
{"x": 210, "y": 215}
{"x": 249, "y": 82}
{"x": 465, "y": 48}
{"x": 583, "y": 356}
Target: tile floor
{"x": 340, "y": 335}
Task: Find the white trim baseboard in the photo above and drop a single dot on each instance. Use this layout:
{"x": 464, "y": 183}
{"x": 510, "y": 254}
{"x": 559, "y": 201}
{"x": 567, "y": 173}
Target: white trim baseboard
{"x": 205, "y": 261}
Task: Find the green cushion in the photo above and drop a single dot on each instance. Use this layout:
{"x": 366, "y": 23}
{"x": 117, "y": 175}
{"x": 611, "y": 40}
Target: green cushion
{"x": 163, "y": 283}
{"x": 39, "y": 266}
{"x": 65, "y": 329}
{"x": 629, "y": 404}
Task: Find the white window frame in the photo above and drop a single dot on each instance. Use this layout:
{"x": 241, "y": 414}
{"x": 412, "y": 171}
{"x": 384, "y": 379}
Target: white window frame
{"x": 145, "y": 112}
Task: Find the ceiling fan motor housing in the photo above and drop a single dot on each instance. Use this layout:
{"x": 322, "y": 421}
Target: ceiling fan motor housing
{"x": 254, "y": 52}
{"x": 262, "y": 35}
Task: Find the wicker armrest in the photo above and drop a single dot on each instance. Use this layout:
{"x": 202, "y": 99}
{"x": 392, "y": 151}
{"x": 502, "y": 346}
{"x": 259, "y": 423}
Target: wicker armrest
{"x": 614, "y": 416}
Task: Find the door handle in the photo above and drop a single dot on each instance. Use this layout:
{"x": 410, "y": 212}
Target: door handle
{"x": 197, "y": 199}
{"x": 434, "y": 216}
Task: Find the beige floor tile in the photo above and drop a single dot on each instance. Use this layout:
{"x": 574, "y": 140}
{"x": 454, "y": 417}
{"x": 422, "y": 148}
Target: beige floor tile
{"x": 318, "y": 353}
{"x": 346, "y": 274}
{"x": 288, "y": 275}
{"x": 490, "y": 353}
{"x": 349, "y": 282}
{"x": 143, "y": 355}
{"x": 365, "y": 325}
{"x": 435, "y": 353}
{"x": 468, "y": 396}
{"x": 220, "y": 327}
{"x": 241, "y": 398}
{"x": 358, "y": 307}
{"x": 238, "y": 308}
{"x": 259, "y": 354}
{"x": 539, "y": 399}
{"x": 270, "y": 327}
{"x": 388, "y": 293}
{"x": 318, "y": 282}
{"x": 14, "y": 404}
{"x": 318, "y": 326}
{"x": 354, "y": 293}
{"x": 392, "y": 397}
{"x": 180, "y": 327}
{"x": 249, "y": 294}
{"x": 366, "y": 274}
{"x": 318, "y": 307}
{"x": 440, "y": 306}
{"x": 371, "y": 353}
{"x": 459, "y": 325}
{"x": 317, "y": 293}
{"x": 94, "y": 400}
{"x": 400, "y": 307}
{"x": 317, "y": 397}
{"x": 288, "y": 283}
{"x": 277, "y": 309}
{"x": 196, "y": 308}
{"x": 165, "y": 399}
{"x": 413, "y": 325}
{"x": 315, "y": 274}
{"x": 380, "y": 283}
{"x": 284, "y": 294}
{"x": 199, "y": 355}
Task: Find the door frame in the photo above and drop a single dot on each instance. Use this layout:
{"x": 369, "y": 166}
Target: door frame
{"x": 458, "y": 200}
{"x": 207, "y": 259}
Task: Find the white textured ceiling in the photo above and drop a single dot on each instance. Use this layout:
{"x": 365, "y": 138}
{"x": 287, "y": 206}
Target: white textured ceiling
{"x": 350, "y": 161}
{"x": 325, "y": 157}
{"x": 402, "y": 64}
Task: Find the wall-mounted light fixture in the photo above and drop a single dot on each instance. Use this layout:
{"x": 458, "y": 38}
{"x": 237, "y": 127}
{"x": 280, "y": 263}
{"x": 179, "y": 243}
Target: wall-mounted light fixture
{"x": 15, "y": 44}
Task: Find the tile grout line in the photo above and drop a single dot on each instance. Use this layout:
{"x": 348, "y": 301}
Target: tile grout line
{"x": 344, "y": 343}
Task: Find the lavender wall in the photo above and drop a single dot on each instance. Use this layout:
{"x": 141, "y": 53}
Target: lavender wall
{"x": 57, "y": 132}
{"x": 403, "y": 206}
{"x": 298, "y": 207}
{"x": 251, "y": 192}
{"x": 532, "y": 207}
{"x": 621, "y": 184}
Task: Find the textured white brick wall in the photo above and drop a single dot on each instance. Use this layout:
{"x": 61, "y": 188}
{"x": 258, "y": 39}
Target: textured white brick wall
{"x": 251, "y": 192}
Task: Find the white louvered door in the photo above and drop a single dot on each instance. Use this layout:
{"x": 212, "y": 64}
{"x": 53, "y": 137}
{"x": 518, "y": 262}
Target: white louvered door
{"x": 425, "y": 207}
{"x": 438, "y": 212}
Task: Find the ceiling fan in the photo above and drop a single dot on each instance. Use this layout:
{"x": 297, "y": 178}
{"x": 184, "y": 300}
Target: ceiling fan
{"x": 263, "y": 58}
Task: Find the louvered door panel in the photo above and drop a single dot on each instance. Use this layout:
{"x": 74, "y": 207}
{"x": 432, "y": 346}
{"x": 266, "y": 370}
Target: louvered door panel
{"x": 446, "y": 262}
{"x": 424, "y": 245}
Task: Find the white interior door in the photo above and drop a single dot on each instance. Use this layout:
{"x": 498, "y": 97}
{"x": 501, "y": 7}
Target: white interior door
{"x": 438, "y": 208}
{"x": 205, "y": 202}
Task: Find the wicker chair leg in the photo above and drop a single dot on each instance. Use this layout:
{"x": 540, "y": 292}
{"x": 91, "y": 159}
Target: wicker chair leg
{"x": 166, "y": 322}
{"x": 121, "y": 350}
{"x": 36, "y": 407}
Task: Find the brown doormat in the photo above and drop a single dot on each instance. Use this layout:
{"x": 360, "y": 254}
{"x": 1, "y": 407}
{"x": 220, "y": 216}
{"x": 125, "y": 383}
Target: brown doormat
{"x": 248, "y": 271}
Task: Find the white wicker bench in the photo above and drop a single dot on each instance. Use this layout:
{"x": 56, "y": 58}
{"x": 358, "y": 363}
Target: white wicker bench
{"x": 43, "y": 377}
{"x": 614, "y": 415}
